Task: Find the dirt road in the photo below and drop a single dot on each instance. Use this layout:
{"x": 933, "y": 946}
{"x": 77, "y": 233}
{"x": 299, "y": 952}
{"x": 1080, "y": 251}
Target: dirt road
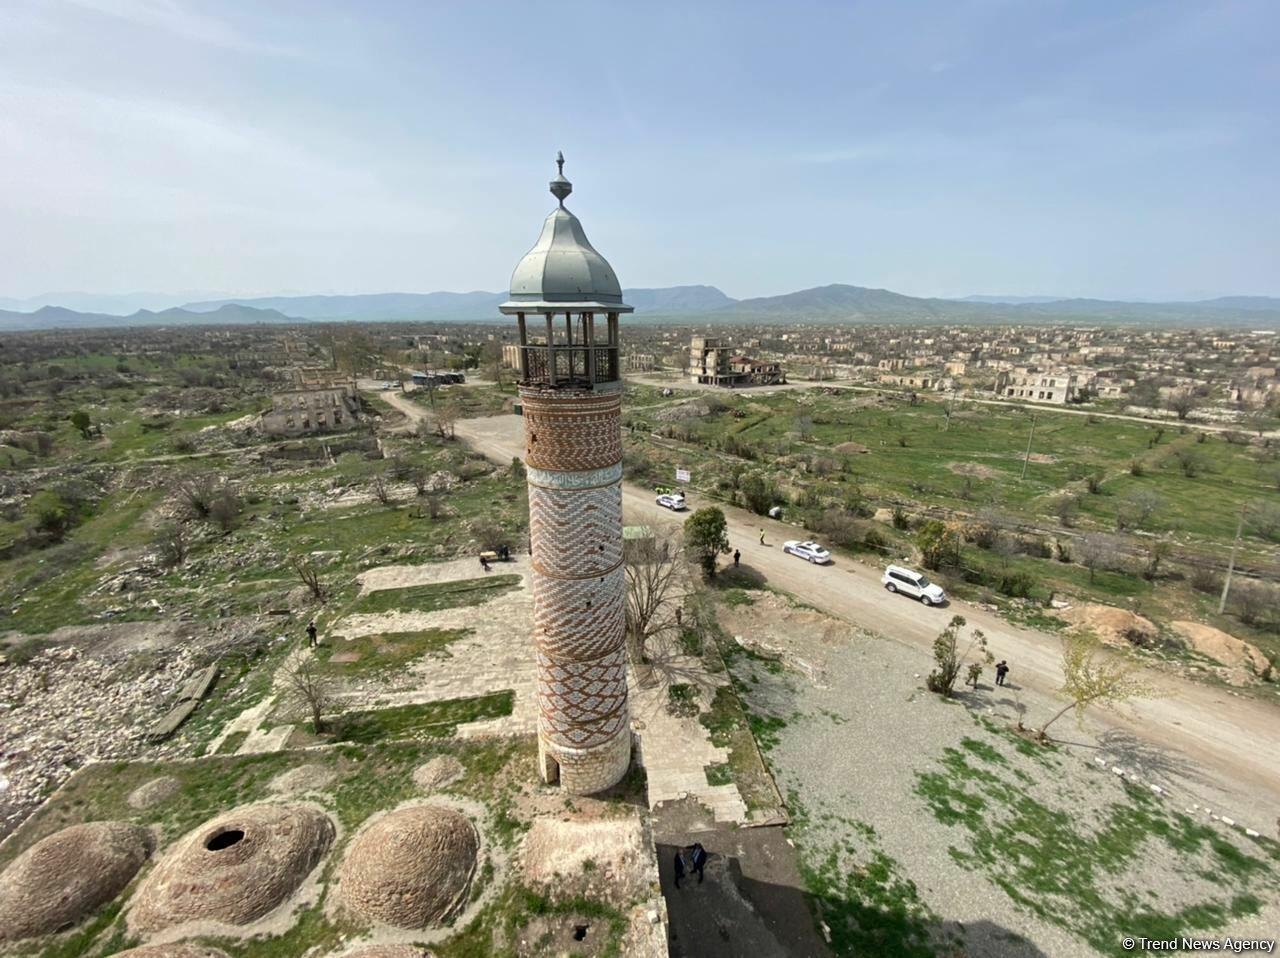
{"x": 1235, "y": 737}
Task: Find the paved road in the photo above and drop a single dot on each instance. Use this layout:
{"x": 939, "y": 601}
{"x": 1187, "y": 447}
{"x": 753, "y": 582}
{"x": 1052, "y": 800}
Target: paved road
{"x": 1237, "y": 737}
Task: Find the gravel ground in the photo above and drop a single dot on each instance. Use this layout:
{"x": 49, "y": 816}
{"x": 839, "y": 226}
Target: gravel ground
{"x": 851, "y": 757}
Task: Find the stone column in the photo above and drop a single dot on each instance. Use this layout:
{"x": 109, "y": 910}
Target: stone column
{"x": 573, "y": 454}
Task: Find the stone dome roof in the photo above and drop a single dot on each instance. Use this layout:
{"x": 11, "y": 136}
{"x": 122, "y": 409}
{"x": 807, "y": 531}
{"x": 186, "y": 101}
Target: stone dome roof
{"x": 64, "y": 878}
{"x": 563, "y": 271}
{"x": 411, "y": 868}
{"x": 234, "y": 868}
{"x": 175, "y": 950}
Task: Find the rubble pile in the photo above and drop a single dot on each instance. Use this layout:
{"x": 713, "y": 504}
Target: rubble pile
{"x": 64, "y": 708}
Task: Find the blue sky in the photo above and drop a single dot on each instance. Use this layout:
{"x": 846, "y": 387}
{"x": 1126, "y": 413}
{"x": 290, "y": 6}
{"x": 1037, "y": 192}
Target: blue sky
{"x": 1104, "y": 149}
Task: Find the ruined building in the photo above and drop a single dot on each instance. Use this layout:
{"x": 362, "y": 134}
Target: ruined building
{"x": 567, "y": 301}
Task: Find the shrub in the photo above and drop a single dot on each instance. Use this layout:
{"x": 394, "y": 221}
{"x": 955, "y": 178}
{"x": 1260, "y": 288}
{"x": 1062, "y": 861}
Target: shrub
{"x": 1136, "y": 468}
{"x": 1204, "y": 579}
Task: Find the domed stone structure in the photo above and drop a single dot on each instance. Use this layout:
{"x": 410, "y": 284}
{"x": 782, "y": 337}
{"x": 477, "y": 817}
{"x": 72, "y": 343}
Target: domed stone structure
{"x": 64, "y": 878}
{"x": 234, "y": 868}
{"x": 441, "y": 771}
{"x": 176, "y": 950}
{"x": 411, "y": 868}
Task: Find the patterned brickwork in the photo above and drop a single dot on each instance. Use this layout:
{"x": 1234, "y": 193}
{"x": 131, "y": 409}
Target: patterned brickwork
{"x": 573, "y": 441}
{"x": 576, "y": 431}
{"x": 577, "y": 532}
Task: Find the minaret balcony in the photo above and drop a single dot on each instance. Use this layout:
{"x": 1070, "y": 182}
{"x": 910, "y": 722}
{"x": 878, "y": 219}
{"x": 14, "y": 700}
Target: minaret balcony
{"x": 569, "y": 367}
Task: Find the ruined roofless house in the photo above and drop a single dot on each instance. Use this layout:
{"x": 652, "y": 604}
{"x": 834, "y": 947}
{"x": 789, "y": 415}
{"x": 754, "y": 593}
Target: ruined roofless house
{"x": 567, "y": 300}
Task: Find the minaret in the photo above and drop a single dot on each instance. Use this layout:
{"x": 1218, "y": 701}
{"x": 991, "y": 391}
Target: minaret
{"x": 567, "y": 300}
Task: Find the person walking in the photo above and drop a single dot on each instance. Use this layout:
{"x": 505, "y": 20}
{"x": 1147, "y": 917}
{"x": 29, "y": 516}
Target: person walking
{"x": 762, "y": 536}
{"x": 737, "y": 555}
{"x": 484, "y": 563}
{"x": 699, "y": 858}
{"x": 679, "y": 862}
{"x": 1002, "y": 669}
{"x": 312, "y": 641}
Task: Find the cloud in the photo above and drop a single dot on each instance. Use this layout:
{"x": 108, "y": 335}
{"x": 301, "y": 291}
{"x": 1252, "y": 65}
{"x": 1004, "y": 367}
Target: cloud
{"x": 173, "y": 17}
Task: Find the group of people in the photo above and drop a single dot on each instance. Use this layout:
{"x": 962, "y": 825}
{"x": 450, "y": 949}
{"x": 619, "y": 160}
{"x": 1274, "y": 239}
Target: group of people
{"x": 696, "y": 860}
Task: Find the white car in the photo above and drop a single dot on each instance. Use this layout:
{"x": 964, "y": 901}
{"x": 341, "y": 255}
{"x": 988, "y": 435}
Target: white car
{"x": 671, "y": 500}
{"x": 899, "y": 579}
{"x": 807, "y": 550}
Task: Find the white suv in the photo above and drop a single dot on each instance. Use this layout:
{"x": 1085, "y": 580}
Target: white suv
{"x": 898, "y": 579}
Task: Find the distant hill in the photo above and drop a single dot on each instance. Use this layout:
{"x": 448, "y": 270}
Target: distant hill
{"x": 386, "y": 307}
{"x": 1010, "y": 300}
{"x": 839, "y": 303}
{"x": 55, "y": 317}
{"x": 113, "y": 304}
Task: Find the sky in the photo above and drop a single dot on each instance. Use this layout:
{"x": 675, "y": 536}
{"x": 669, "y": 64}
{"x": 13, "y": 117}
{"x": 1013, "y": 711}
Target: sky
{"x": 1060, "y": 147}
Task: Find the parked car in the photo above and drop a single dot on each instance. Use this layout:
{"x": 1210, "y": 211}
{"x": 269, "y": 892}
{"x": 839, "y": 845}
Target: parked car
{"x": 387, "y": 384}
{"x": 807, "y": 550}
{"x": 671, "y": 500}
{"x": 899, "y": 579}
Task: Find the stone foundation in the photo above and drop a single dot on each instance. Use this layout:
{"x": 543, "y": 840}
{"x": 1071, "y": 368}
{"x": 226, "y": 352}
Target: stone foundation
{"x": 585, "y": 771}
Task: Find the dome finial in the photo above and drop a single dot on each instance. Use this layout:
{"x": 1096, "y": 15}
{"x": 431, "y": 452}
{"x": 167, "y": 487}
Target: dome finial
{"x": 560, "y": 187}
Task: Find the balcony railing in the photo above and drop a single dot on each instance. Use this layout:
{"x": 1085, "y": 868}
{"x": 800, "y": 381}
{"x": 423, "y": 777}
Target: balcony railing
{"x": 569, "y": 365}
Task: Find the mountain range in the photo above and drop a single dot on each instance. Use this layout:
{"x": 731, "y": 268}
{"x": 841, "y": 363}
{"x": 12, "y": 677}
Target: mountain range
{"x": 705, "y": 304}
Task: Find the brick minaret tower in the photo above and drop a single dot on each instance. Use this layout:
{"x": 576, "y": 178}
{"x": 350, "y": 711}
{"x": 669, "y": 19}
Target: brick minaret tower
{"x": 567, "y": 300}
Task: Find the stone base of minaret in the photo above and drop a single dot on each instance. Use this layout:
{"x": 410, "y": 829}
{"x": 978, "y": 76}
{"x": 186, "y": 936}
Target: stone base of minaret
{"x": 585, "y": 771}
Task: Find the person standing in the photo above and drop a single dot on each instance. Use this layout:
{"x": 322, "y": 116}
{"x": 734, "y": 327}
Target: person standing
{"x": 1002, "y": 669}
{"x": 737, "y": 555}
{"x": 699, "y": 858}
{"x": 679, "y": 862}
{"x": 312, "y": 641}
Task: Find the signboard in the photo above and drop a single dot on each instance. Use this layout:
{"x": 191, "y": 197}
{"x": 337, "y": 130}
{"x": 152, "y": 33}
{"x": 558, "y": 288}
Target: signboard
{"x": 682, "y": 475}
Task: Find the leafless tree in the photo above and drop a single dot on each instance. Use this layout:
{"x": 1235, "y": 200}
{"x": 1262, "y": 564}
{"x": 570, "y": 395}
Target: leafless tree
{"x": 309, "y": 574}
{"x": 306, "y": 685}
{"x": 1096, "y": 552}
{"x": 651, "y": 573}
{"x": 1183, "y": 402}
{"x": 445, "y": 417}
{"x": 197, "y": 492}
{"x": 172, "y": 544}
{"x": 1137, "y": 508}
{"x": 225, "y": 509}
{"x": 380, "y": 489}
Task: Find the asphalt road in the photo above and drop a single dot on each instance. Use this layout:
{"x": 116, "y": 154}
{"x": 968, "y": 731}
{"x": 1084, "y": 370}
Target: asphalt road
{"x": 1234, "y": 736}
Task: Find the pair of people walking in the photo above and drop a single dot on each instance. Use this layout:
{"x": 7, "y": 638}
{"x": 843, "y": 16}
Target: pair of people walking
{"x": 697, "y": 860}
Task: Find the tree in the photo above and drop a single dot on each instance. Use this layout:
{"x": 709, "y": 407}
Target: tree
{"x": 1096, "y": 552}
{"x": 651, "y": 572}
{"x": 949, "y": 658}
{"x": 197, "y": 493}
{"x": 80, "y": 419}
{"x": 172, "y": 544}
{"x": 758, "y": 493}
{"x": 381, "y": 491}
{"x": 1089, "y": 680}
{"x": 309, "y": 574}
{"x": 225, "y": 509}
{"x": 445, "y": 417}
{"x": 1183, "y": 403}
{"x": 706, "y": 535}
{"x": 939, "y": 544}
{"x": 1137, "y": 508}
{"x": 50, "y": 514}
{"x": 306, "y": 685}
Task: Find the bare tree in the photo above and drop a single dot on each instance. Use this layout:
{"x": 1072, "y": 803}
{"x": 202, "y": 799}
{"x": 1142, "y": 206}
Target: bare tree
{"x": 651, "y": 569}
{"x": 172, "y": 544}
{"x": 380, "y": 489}
{"x": 1096, "y": 552}
{"x": 197, "y": 492}
{"x": 1087, "y": 680}
{"x": 1137, "y": 508}
{"x": 445, "y": 417}
{"x": 1183, "y": 402}
{"x": 309, "y": 574}
{"x": 306, "y": 684}
{"x": 225, "y": 509}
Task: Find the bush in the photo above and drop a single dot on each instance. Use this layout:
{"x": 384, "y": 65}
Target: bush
{"x": 1136, "y": 468}
{"x": 1205, "y": 579}
{"x": 900, "y": 518}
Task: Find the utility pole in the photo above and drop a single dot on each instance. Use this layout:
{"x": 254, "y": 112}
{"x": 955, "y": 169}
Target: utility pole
{"x": 950, "y": 406}
{"x": 1231, "y": 565}
{"x": 1027, "y": 458}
